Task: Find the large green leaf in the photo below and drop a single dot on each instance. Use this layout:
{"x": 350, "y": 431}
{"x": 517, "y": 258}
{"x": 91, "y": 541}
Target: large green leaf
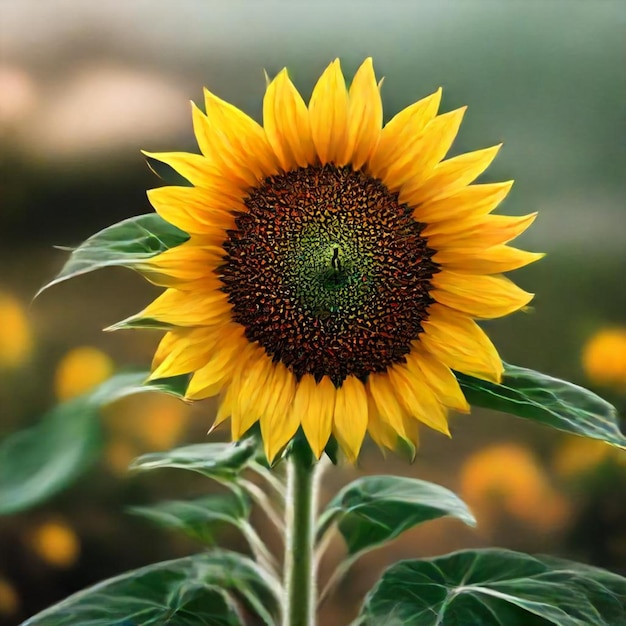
{"x": 550, "y": 401}
{"x": 192, "y": 591}
{"x": 38, "y": 462}
{"x": 199, "y": 518}
{"x": 495, "y": 587}
{"x": 125, "y": 244}
{"x": 376, "y": 509}
{"x": 221, "y": 461}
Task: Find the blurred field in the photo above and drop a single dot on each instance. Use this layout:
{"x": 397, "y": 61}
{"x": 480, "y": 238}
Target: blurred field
{"x": 84, "y": 86}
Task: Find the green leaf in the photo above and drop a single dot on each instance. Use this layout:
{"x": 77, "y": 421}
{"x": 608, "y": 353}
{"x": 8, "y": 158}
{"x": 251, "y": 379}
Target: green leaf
{"x": 220, "y": 461}
{"x": 129, "y": 383}
{"x": 125, "y": 244}
{"x": 38, "y": 462}
{"x": 550, "y": 401}
{"x": 495, "y": 587}
{"x": 199, "y": 518}
{"x": 192, "y": 591}
{"x": 376, "y": 509}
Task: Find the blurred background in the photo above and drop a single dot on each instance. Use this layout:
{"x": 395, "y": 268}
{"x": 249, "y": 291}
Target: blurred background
{"x": 85, "y": 85}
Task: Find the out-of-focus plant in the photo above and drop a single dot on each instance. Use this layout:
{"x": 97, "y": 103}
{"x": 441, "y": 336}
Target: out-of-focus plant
{"x": 506, "y": 478}
{"x": 16, "y": 342}
{"x": 604, "y": 358}
{"x": 323, "y": 275}
{"x": 55, "y": 542}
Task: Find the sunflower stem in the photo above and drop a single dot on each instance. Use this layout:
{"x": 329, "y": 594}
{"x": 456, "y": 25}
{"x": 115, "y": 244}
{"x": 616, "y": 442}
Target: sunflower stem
{"x": 301, "y": 513}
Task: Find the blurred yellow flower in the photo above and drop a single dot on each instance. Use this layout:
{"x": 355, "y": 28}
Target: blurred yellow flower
{"x": 9, "y": 600}
{"x": 506, "y": 478}
{"x": 16, "y": 340}
{"x": 119, "y": 454}
{"x": 143, "y": 423}
{"x": 578, "y": 455}
{"x": 604, "y": 357}
{"x": 79, "y": 370}
{"x": 56, "y": 543}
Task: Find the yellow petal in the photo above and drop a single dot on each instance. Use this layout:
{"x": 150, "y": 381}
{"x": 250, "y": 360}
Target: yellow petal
{"x": 417, "y": 398}
{"x": 468, "y": 202}
{"x": 188, "y": 351}
{"x": 182, "y": 308}
{"x": 485, "y": 297}
{"x": 222, "y": 365}
{"x": 317, "y": 418}
{"x": 477, "y": 232}
{"x": 365, "y": 117}
{"x": 438, "y": 377}
{"x": 195, "y": 168}
{"x": 384, "y": 396}
{"x": 254, "y": 375}
{"x": 166, "y": 345}
{"x": 458, "y": 342}
{"x": 379, "y": 430}
{"x": 279, "y": 423}
{"x": 494, "y": 260}
{"x": 195, "y": 210}
{"x": 448, "y": 176}
{"x": 287, "y": 125}
{"x": 215, "y": 147}
{"x": 185, "y": 263}
{"x": 234, "y": 141}
{"x": 328, "y": 109}
{"x": 411, "y": 427}
{"x": 416, "y": 160}
{"x": 225, "y": 407}
{"x": 350, "y": 421}
{"x": 403, "y": 128}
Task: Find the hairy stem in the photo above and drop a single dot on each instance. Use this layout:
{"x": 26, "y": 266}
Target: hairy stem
{"x": 301, "y": 513}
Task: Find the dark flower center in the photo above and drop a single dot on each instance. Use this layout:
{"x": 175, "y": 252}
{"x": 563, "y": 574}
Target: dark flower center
{"x": 328, "y": 272}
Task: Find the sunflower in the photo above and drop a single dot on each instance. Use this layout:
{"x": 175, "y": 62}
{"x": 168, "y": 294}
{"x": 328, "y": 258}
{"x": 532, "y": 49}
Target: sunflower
{"x": 335, "y": 266}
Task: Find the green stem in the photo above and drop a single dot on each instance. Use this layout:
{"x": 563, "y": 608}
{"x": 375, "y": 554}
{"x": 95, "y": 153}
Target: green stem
{"x": 301, "y": 503}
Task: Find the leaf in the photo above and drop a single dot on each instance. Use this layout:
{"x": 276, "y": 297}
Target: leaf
{"x": 124, "y": 244}
{"x": 495, "y": 587}
{"x": 550, "y": 401}
{"x": 192, "y": 591}
{"x": 376, "y": 509}
{"x": 220, "y": 461}
{"x": 38, "y": 462}
{"x": 198, "y": 518}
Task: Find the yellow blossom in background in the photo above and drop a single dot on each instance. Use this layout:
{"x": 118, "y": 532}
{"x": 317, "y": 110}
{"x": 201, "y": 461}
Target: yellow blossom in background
{"x": 577, "y": 456}
{"x": 164, "y": 422}
{"x": 80, "y": 370}
{"x": 16, "y": 341}
{"x": 604, "y": 357}
{"x": 119, "y": 454}
{"x": 9, "y": 599}
{"x": 506, "y": 478}
{"x": 335, "y": 266}
{"x": 143, "y": 423}
{"x": 56, "y": 543}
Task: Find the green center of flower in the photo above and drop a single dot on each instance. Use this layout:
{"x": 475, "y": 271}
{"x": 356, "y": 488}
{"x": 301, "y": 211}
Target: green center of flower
{"x": 327, "y": 269}
{"x": 328, "y": 272}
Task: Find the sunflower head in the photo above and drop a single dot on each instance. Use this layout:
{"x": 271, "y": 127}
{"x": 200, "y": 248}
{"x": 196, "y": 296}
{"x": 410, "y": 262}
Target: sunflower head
{"x": 335, "y": 266}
